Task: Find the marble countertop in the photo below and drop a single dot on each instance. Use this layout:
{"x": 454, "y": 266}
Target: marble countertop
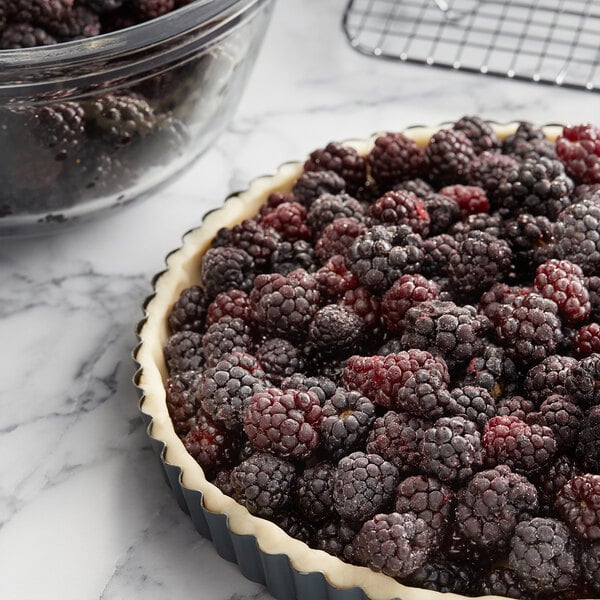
{"x": 84, "y": 511}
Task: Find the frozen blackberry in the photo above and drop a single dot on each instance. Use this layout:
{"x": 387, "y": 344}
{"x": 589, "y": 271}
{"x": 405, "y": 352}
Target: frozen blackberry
{"x": 394, "y": 544}
{"x": 80, "y": 22}
{"x": 587, "y": 340}
{"x": 493, "y": 371}
{"x": 263, "y": 484}
{"x": 314, "y": 492}
{"x": 451, "y": 449}
{"x": 480, "y": 260}
{"x": 525, "y": 131}
{"x": 512, "y": 442}
{"x": 274, "y": 199}
{"x": 284, "y": 422}
{"x": 400, "y": 208}
{"x": 533, "y": 149}
{"x": 578, "y": 503}
{"x": 583, "y": 382}
{"x": 225, "y": 389}
{"x": 24, "y": 35}
{"x": 548, "y": 377}
{"x": 184, "y": 352}
{"x": 383, "y": 254}
{"x": 334, "y": 279}
{"x": 328, "y": 207}
{"x": 335, "y": 537}
{"x": 37, "y": 12}
{"x": 189, "y": 311}
{"x": 368, "y": 307}
{"x": 424, "y": 393}
{"x": 577, "y": 235}
{"x": 347, "y": 419}
{"x": 579, "y": 149}
{"x": 489, "y": 507}
{"x": 210, "y": 444}
{"x": 226, "y": 268}
{"x": 322, "y": 387}
{"x": 182, "y": 400}
{"x": 363, "y": 484}
{"x": 397, "y": 437}
{"x": 258, "y": 241}
{"x": 406, "y": 292}
{"x": 458, "y": 549}
{"x": 530, "y": 238}
{"x": 529, "y": 329}
{"x": 562, "y": 281}
{"x": 312, "y": 184}
{"x": 482, "y": 136}
{"x": 416, "y": 186}
{"x": 471, "y": 199}
{"x": 428, "y": 499}
{"x": 443, "y": 212}
{"x": 337, "y": 237}
{"x": 336, "y": 330}
{"x": 501, "y": 581}
{"x": 290, "y": 256}
{"x": 543, "y": 555}
{"x": 295, "y": 526}
{"x": 437, "y": 251}
{"x": 343, "y": 160}
{"x": 588, "y": 445}
{"x": 279, "y": 358}
{"x": 449, "y": 154}
{"x": 150, "y": 9}
{"x": 442, "y": 576}
{"x": 285, "y": 305}
{"x": 222, "y": 480}
{"x": 590, "y": 565}
{"x": 563, "y": 417}
{"x": 550, "y": 480}
{"x": 289, "y": 219}
{"x": 586, "y": 191}
{"x": 489, "y": 223}
{"x": 488, "y": 169}
{"x": 592, "y": 285}
{"x": 224, "y": 337}
{"x": 514, "y": 406}
{"x": 474, "y": 403}
{"x": 444, "y": 328}
{"x": 395, "y": 157}
{"x": 232, "y": 303}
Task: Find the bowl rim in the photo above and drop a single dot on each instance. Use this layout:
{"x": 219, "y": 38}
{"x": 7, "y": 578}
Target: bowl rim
{"x": 182, "y": 270}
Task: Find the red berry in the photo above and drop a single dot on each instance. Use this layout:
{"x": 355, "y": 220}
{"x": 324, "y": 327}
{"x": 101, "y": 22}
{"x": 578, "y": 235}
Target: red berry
{"x": 579, "y": 149}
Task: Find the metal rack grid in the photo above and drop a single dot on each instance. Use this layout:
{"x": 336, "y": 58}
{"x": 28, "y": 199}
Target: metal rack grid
{"x": 545, "y": 41}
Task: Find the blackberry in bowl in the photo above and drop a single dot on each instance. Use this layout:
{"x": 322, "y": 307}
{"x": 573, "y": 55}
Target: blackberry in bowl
{"x": 102, "y": 101}
{"x": 423, "y": 436}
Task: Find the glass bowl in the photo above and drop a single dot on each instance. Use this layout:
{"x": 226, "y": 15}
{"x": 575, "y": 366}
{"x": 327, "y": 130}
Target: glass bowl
{"x": 96, "y": 123}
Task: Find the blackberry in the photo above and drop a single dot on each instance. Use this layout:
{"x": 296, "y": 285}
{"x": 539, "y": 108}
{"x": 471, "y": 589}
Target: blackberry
{"x": 395, "y": 157}
{"x": 578, "y": 503}
{"x": 550, "y": 480}
{"x": 336, "y": 330}
{"x": 263, "y": 484}
{"x": 416, "y": 186}
{"x": 274, "y": 199}
{"x": 587, "y": 340}
{"x": 428, "y": 499}
{"x": 327, "y": 208}
{"x": 314, "y": 492}
{"x": 437, "y": 252}
{"x": 290, "y": 256}
{"x": 529, "y": 329}
{"x": 343, "y": 160}
{"x": 289, "y": 219}
{"x": 588, "y": 445}
{"x": 451, "y": 449}
{"x": 583, "y": 382}
{"x": 347, "y": 418}
{"x": 562, "y": 281}
{"x": 449, "y": 154}
{"x": 224, "y": 337}
{"x": 184, "y": 352}
{"x": 37, "y": 12}
{"x": 363, "y": 484}
{"x": 189, "y": 311}
{"x": 577, "y": 236}
{"x": 24, "y": 35}
{"x": 480, "y": 261}
{"x": 226, "y": 389}
{"x": 455, "y": 332}
{"x": 590, "y": 564}
{"x": 424, "y": 393}
{"x": 222, "y": 480}
{"x": 501, "y": 581}
{"x": 533, "y": 149}
{"x": 482, "y": 136}
{"x": 210, "y": 444}
{"x": 279, "y": 358}
{"x": 443, "y": 212}
{"x": 367, "y": 306}
{"x": 334, "y": 279}
{"x": 488, "y": 169}
{"x": 493, "y": 371}
{"x": 80, "y": 22}
{"x": 563, "y": 417}
{"x": 586, "y": 191}
{"x": 473, "y": 403}
{"x": 232, "y": 303}
{"x": 514, "y": 406}
{"x": 182, "y": 400}
{"x": 529, "y": 237}
{"x": 579, "y": 149}
{"x": 285, "y": 305}
{"x": 543, "y": 555}
{"x": 295, "y": 526}
{"x": 284, "y": 422}
{"x": 406, "y": 292}
{"x": 394, "y": 544}
{"x": 226, "y": 268}
{"x": 383, "y": 254}
{"x": 258, "y": 241}
{"x": 525, "y": 131}
{"x": 512, "y": 442}
{"x": 592, "y": 285}
{"x": 150, "y": 9}
{"x": 548, "y": 377}
{"x": 490, "y": 224}
{"x": 442, "y": 576}
{"x": 491, "y": 504}
{"x": 397, "y": 437}
{"x": 400, "y": 208}
{"x": 312, "y": 184}
{"x": 337, "y": 236}
{"x": 335, "y": 537}
{"x": 322, "y": 387}
{"x": 471, "y": 199}
{"x": 458, "y": 549}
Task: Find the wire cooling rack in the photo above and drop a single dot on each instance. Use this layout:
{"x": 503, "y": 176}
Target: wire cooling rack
{"x": 545, "y": 41}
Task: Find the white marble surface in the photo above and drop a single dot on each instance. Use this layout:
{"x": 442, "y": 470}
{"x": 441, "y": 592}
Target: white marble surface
{"x": 84, "y": 512}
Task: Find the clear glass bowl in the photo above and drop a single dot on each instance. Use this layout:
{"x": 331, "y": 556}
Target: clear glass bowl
{"x": 96, "y": 123}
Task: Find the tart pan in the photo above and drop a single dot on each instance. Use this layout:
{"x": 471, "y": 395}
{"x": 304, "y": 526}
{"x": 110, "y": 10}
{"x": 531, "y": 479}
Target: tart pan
{"x": 264, "y": 553}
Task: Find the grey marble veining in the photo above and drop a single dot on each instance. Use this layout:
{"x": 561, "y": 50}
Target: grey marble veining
{"x": 84, "y": 511}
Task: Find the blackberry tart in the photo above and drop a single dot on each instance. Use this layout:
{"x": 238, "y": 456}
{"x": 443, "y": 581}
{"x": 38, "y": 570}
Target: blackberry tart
{"x": 305, "y": 404}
